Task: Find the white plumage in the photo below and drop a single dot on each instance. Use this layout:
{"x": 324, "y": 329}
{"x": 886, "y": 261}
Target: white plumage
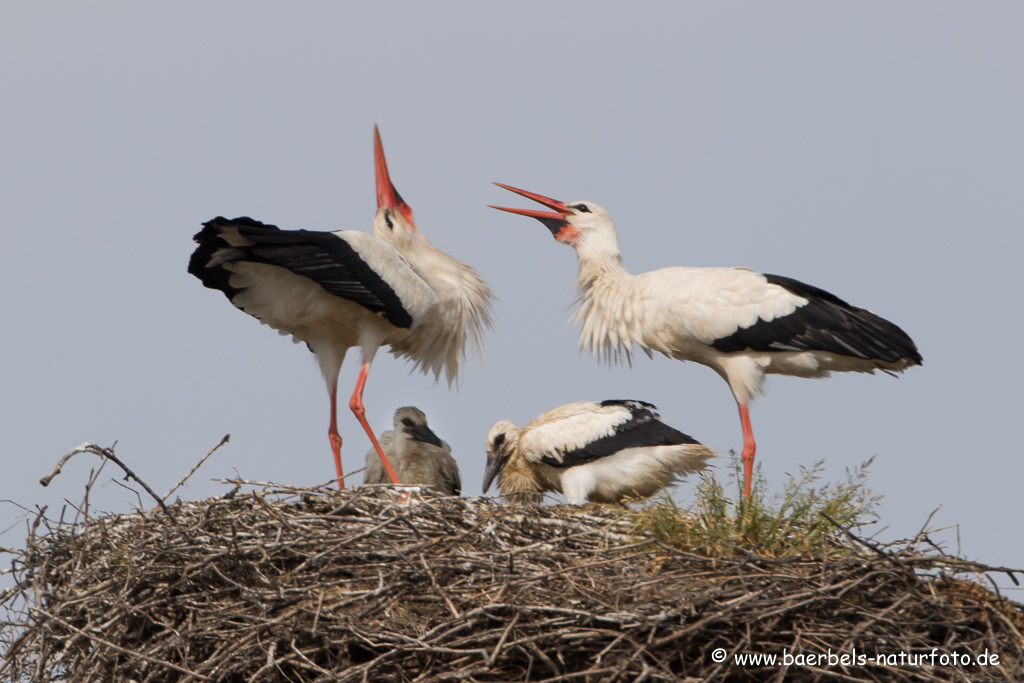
{"x": 464, "y": 313}
{"x": 417, "y": 454}
{"x": 590, "y": 451}
{"x": 338, "y": 290}
{"x": 741, "y": 323}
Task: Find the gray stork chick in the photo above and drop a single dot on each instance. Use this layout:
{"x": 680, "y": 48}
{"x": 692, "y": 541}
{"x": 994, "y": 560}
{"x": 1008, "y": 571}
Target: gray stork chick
{"x": 416, "y": 453}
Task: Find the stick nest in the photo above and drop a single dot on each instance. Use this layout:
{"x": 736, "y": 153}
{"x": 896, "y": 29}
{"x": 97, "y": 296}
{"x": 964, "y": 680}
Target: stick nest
{"x": 288, "y": 584}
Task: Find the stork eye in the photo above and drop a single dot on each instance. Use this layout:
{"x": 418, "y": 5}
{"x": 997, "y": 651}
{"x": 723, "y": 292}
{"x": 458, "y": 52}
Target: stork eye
{"x": 408, "y": 422}
{"x": 582, "y": 208}
{"x": 387, "y": 219}
{"x": 499, "y": 440}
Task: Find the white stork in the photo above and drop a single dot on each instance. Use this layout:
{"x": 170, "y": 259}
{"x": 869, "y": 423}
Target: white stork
{"x": 464, "y": 313}
{"x": 740, "y": 323}
{"x": 588, "y": 451}
{"x": 336, "y": 290}
{"x": 419, "y": 457}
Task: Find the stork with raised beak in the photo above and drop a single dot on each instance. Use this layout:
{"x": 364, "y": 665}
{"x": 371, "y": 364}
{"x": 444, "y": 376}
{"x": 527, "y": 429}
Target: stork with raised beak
{"x": 344, "y": 289}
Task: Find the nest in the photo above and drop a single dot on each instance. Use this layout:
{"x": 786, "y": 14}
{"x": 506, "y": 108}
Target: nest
{"x": 286, "y": 584}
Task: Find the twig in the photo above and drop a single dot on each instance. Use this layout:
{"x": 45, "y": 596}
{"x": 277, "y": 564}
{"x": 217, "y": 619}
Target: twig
{"x": 227, "y": 437}
{"x": 117, "y": 648}
{"x": 81, "y": 448}
{"x": 107, "y": 453}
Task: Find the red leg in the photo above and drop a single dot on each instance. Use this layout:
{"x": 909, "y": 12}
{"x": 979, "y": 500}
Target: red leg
{"x": 356, "y": 404}
{"x": 335, "y": 438}
{"x": 749, "y": 447}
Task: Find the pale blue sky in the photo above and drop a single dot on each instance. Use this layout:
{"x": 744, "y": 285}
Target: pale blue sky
{"x": 874, "y": 150}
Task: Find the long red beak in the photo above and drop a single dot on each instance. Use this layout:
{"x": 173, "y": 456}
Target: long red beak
{"x": 387, "y": 195}
{"x": 560, "y": 207}
{"x": 555, "y": 221}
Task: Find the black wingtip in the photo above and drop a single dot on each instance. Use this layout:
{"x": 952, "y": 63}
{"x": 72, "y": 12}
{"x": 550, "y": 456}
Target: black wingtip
{"x": 210, "y": 240}
{"x": 825, "y": 323}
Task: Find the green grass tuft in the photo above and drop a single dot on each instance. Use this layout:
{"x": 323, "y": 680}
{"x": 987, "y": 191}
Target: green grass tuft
{"x": 789, "y": 523}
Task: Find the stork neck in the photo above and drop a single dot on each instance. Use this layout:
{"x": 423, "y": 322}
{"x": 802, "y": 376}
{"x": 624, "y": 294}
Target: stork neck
{"x": 608, "y": 310}
{"x": 594, "y": 271}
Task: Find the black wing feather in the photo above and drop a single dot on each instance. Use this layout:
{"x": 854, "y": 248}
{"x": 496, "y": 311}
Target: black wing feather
{"x": 642, "y": 429}
{"x": 825, "y": 323}
{"x": 322, "y": 257}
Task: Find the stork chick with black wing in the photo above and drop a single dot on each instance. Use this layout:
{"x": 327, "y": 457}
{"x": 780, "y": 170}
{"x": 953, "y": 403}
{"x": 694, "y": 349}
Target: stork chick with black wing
{"x": 601, "y": 452}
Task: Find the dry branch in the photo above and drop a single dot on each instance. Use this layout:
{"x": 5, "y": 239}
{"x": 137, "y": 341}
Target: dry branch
{"x": 108, "y": 453}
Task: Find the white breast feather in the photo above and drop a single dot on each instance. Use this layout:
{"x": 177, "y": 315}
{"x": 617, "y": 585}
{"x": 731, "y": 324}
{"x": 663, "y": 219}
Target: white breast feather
{"x": 613, "y": 319}
{"x": 462, "y": 317}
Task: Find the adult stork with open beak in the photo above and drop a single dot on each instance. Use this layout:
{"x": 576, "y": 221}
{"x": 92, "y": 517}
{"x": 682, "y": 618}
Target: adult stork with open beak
{"x": 740, "y": 323}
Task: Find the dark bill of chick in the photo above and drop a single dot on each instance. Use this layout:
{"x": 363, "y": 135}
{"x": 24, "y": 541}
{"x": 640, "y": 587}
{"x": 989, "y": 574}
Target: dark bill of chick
{"x": 602, "y": 452}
